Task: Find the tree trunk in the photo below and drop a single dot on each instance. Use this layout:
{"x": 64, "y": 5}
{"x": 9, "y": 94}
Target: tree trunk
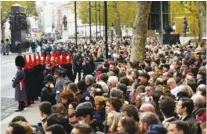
{"x": 2, "y": 31}
{"x": 201, "y": 9}
{"x": 140, "y": 30}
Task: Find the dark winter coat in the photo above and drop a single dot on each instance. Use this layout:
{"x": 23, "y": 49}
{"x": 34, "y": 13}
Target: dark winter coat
{"x": 20, "y": 92}
{"x": 48, "y": 94}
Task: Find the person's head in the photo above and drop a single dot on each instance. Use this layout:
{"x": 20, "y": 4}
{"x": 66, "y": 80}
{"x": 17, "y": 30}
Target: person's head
{"x": 149, "y": 90}
{"x": 146, "y": 120}
{"x": 116, "y": 71}
{"x": 45, "y": 108}
{"x": 99, "y": 102}
{"x": 15, "y": 128}
{"x": 165, "y": 68}
{"x": 27, "y": 127}
{"x": 126, "y": 124}
{"x": 66, "y": 97}
{"x": 184, "y": 106}
{"x": 48, "y": 79}
{"x": 171, "y": 83}
{"x": 138, "y": 101}
{"x": 59, "y": 108}
{"x": 89, "y": 79}
{"x": 81, "y": 129}
{"x": 190, "y": 80}
{"x": 72, "y": 119}
{"x": 201, "y": 88}
{"x": 111, "y": 67}
{"x": 143, "y": 78}
{"x": 112, "y": 81}
{"x": 53, "y": 119}
{"x": 113, "y": 120}
{"x": 177, "y": 76}
{"x": 18, "y": 118}
{"x": 113, "y": 105}
{"x": 140, "y": 89}
{"x": 130, "y": 111}
{"x": 122, "y": 69}
{"x": 84, "y": 114}
{"x": 116, "y": 93}
{"x": 167, "y": 106}
{"x": 55, "y": 129}
{"x": 122, "y": 87}
{"x": 146, "y": 107}
{"x": 58, "y": 73}
{"x": 93, "y": 89}
{"x": 104, "y": 77}
{"x": 71, "y": 108}
{"x": 73, "y": 88}
{"x": 178, "y": 127}
{"x": 125, "y": 80}
{"x": 66, "y": 83}
{"x": 198, "y": 101}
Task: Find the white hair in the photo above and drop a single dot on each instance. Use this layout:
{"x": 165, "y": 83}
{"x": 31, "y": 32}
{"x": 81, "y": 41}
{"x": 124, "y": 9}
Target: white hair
{"x": 171, "y": 80}
{"x": 113, "y": 80}
{"x": 89, "y": 77}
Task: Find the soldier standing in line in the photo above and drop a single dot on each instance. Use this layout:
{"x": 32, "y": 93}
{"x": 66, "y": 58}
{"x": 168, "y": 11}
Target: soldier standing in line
{"x": 18, "y": 83}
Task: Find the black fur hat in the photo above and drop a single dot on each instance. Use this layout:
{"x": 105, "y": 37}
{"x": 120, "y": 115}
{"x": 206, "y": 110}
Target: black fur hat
{"x": 19, "y": 61}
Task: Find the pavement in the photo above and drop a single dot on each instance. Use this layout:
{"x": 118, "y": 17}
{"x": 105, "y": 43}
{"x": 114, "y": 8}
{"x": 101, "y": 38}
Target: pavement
{"x": 31, "y": 114}
{"x": 8, "y": 104}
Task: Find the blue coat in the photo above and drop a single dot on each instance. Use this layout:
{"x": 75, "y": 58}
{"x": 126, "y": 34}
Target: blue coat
{"x": 20, "y": 92}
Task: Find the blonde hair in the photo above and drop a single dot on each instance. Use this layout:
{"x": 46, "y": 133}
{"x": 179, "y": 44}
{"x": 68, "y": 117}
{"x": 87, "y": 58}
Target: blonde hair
{"x": 59, "y": 108}
{"x": 115, "y": 122}
{"x": 27, "y": 127}
{"x": 100, "y": 99}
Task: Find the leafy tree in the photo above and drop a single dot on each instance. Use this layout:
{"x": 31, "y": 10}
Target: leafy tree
{"x": 194, "y": 11}
{"x": 119, "y": 13}
{"x": 140, "y": 31}
{"x": 29, "y": 6}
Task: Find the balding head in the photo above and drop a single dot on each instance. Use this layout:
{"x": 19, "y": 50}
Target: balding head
{"x": 147, "y": 107}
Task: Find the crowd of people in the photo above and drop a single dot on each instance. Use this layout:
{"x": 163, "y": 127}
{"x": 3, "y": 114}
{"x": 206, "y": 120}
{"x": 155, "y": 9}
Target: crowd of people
{"x": 164, "y": 94}
{"x": 5, "y": 47}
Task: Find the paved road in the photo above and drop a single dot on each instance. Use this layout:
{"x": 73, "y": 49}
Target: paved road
{"x": 8, "y": 70}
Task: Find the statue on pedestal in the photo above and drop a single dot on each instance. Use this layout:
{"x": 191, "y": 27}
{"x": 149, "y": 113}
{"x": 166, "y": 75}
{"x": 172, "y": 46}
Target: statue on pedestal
{"x": 65, "y": 22}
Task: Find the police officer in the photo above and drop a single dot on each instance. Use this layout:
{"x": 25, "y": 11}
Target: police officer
{"x": 59, "y": 78}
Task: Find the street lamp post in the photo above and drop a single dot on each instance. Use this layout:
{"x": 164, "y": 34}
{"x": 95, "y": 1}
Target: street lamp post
{"x": 76, "y": 38}
{"x": 161, "y": 22}
{"x": 96, "y": 19}
{"x": 106, "y": 20}
{"x": 112, "y": 31}
{"x": 100, "y": 18}
{"x": 90, "y": 18}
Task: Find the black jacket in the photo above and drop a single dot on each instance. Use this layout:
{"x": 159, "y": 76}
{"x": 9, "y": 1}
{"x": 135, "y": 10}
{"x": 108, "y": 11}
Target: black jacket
{"x": 194, "y": 129}
{"x": 48, "y": 94}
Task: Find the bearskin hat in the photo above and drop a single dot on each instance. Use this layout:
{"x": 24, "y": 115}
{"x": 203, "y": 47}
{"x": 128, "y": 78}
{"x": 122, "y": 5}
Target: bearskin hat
{"x": 19, "y": 61}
